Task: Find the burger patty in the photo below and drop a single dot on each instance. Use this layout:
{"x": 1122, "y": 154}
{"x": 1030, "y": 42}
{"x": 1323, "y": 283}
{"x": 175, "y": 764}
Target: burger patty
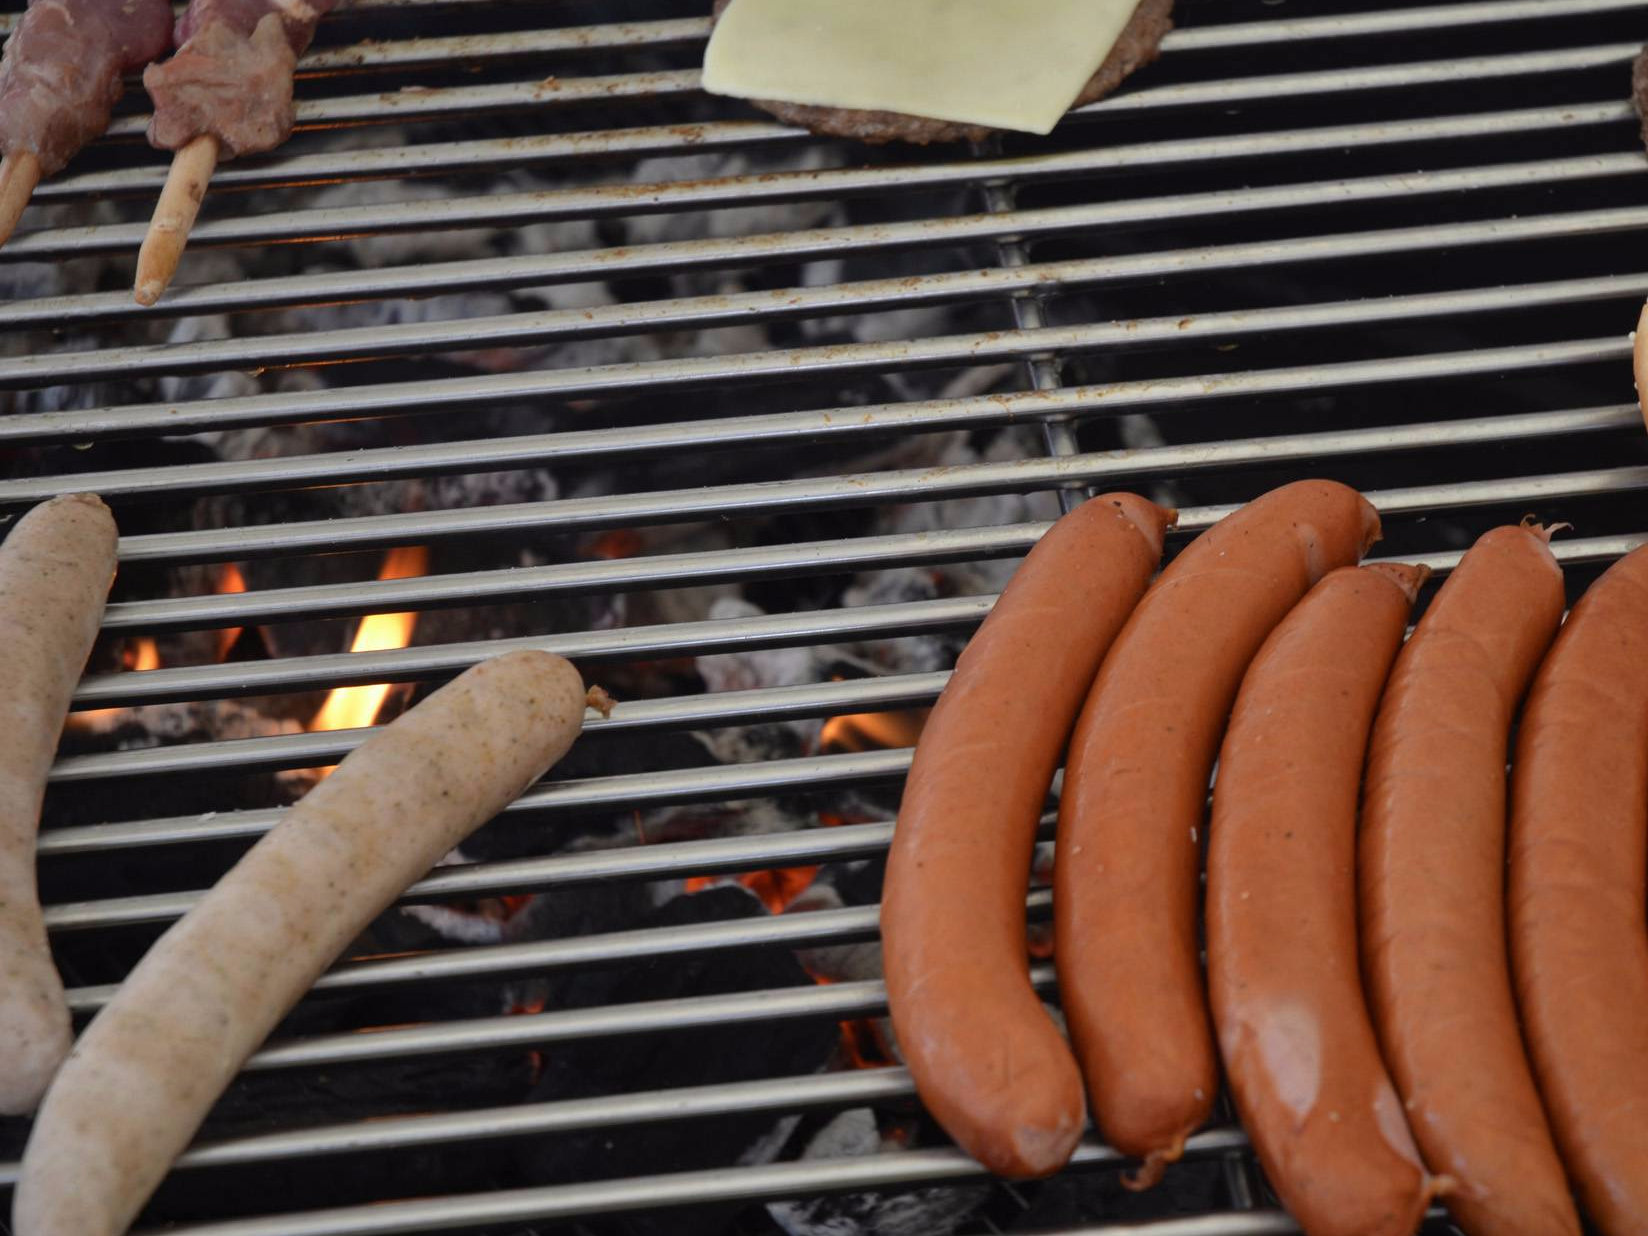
{"x": 1140, "y": 42}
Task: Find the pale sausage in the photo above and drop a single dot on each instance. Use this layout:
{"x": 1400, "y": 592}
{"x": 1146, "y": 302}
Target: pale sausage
{"x": 55, "y": 570}
{"x": 152, "y": 1063}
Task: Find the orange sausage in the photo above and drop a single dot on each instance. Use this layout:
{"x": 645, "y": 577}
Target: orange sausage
{"x": 1125, "y": 877}
{"x": 1579, "y": 849}
{"x": 1432, "y": 872}
{"x": 1293, "y": 1028}
{"x": 988, "y": 1061}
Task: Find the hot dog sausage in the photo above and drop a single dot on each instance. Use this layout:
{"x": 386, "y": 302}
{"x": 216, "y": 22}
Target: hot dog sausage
{"x": 1293, "y": 1028}
{"x": 1432, "y": 871}
{"x": 988, "y": 1061}
{"x": 1579, "y": 847}
{"x": 146, "y": 1071}
{"x": 1125, "y": 877}
{"x": 55, "y": 570}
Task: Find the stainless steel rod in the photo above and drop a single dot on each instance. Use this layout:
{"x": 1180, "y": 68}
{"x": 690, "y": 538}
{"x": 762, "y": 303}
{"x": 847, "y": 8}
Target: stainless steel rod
{"x": 747, "y": 1184}
{"x": 699, "y": 567}
{"x": 854, "y": 490}
{"x": 400, "y": 106}
{"x": 607, "y": 200}
{"x": 704, "y": 312}
{"x": 531, "y": 270}
{"x": 321, "y": 748}
{"x": 784, "y": 1094}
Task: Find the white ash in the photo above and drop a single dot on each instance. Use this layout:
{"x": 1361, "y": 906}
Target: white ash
{"x": 920, "y": 1212}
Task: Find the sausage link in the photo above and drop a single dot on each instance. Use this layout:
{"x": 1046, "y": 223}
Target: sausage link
{"x": 1579, "y": 849}
{"x": 55, "y": 570}
{"x": 988, "y": 1061}
{"x": 1125, "y": 876}
{"x": 1432, "y": 873}
{"x": 1294, "y": 1031}
{"x": 152, "y": 1063}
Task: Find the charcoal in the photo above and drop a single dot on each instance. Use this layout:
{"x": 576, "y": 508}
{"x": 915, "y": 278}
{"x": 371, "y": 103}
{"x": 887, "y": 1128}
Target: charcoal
{"x": 718, "y": 1054}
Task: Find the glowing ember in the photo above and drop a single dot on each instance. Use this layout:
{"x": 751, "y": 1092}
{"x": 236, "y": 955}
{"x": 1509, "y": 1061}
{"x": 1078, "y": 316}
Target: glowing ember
{"x": 868, "y": 731}
{"x": 776, "y": 888}
{"x": 353, "y": 707}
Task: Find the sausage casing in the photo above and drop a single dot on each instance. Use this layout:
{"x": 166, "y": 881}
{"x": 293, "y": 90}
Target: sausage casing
{"x": 1125, "y": 876}
{"x": 1579, "y": 849}
{"x": 154, "y": 1060}
{"x": 1431, "y": 877}
{"x": 1294, "y": 1031}
{"x": 55, "y": 569}
{"x": 988, "y": 1061}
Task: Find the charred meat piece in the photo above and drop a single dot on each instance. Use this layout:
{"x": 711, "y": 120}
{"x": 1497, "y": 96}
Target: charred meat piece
{"x": 1138, "y": 45}
{"x": 232, "y": 76}
{"x": 61, "y": 72}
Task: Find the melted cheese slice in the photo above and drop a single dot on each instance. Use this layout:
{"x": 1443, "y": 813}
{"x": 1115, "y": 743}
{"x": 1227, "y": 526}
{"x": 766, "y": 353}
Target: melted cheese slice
{"x": 1001, "y": 63}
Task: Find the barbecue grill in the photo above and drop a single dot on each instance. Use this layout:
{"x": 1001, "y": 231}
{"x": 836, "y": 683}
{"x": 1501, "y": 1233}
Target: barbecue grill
{"x": 749, "y": 400}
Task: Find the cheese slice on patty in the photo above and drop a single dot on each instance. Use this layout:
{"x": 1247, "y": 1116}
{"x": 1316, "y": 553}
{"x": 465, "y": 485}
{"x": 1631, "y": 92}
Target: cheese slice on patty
{"x": 1006, "y": 64}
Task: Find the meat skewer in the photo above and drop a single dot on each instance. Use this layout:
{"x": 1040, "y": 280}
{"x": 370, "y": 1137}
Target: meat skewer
{"x": 227, "y": 92}
{"x": 59, "y": 80}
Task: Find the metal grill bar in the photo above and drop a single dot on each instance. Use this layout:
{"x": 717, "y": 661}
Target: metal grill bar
{"x": 860, "y": 489}
{"x": 579, "y": 38}
{"x": 710, "y": 311}
{"x": 880, "y": 1085}
{"x": 718, "y": 566}
{"x": 776, "y": 1180}
{"x": 419, "y": 103}
{"x": 832, "y": 1001}
{"x": 845, "y": 359}
{"x": 315, "y": 750}
{"x": 812, "y": 929}
{"x": 612, "y": 793}
{"x": 602, "y": 201}
{"x": 673, "y": 257}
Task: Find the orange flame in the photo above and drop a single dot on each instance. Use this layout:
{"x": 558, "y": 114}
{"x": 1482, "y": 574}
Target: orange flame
{"x": 867, "y": 731}
{"x": 229, "y": 579}
{"x": 353, "y": 707}
{"x": 141, "y": 653}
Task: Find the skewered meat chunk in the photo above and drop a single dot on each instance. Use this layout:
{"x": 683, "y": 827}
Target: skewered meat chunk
{"x": 62, "y": 69}
{"x": 232, "y": 76}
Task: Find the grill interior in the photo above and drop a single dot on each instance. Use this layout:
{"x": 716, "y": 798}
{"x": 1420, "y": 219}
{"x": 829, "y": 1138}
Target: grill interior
{"x": 750, "y": 425}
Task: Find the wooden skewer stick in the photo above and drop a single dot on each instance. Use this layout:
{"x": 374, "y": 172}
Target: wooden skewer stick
{"x": 19, "y": 173}
{"x": 1639, "y": 361}
{"x": 173, "y": 217}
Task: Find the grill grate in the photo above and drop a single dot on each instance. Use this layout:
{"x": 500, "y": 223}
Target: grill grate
{"x": 1378, "y": 242}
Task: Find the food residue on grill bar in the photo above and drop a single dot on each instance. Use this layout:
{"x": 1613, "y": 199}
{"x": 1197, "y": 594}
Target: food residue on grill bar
{"x": 928, "y": 70}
